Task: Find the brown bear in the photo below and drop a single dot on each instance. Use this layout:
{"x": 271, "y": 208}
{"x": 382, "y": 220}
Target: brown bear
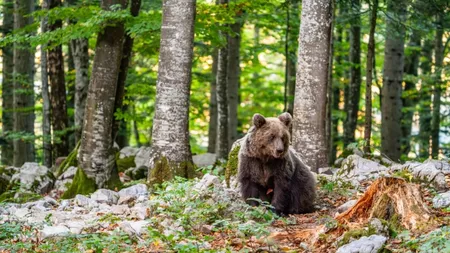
{"x": 270, "y": 170}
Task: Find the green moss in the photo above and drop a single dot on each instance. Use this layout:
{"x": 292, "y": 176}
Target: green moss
{"x": 70, "y": 161}
{"x": 81, "y": 184}
{"x": 356, "y": 234}
{"x": 232, "y": 164}
{"x": 165, "y": 171}
{"x": 18, "y": 197}
{"x": 124, "y": 163}
{"x": 114, "y": 182}
{"x": 161, "y": 172}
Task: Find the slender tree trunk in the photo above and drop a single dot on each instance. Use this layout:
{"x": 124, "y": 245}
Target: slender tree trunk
{"x": 96, "y": 156}
{"x": 124, "y": 64}
{"x": 58, "y": 92}
{"x": 80, "y": 53}
{"x": 136, "y": 130}
{"x": 23, "y": 86}
{"x": 311, "y": 85}
{"x": 170, "y": 136}
{"x": 222, "y": 99}
{"x": 391, "y": 108}
{"x": 329, "y": 115}
{"x": 425, "y": 100}
{"x": 212, "y": 128}
{"x": 292, "y": 49}
{"x": 46, "y": 111}
{"x": 436, "y": 114}
{"x": 355, "y": 73}
{"x": 7, "y": 84}
{"x": 233, "y": 82}
{"x": 369, "y": 74}
{"x": 409, "y": 99}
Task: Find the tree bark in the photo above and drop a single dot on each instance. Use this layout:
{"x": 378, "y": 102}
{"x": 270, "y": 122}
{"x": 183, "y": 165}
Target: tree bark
{"x": 212, "y": 128}
{"x": 59, "y": 118}
{"x": 391, "y": 107}
{"x": 291, "y": 59}
{"x": 96, "y": 156}
{"x": 409, "y": 99}
{"x": 311, "y": 84}
{"x": 369, "y": 74}
{"x": 329, "y": 112}
{"x": 233, "y": 78}
{"x": 436, "y": 114}
{"x": 222, "y": 99}
{"x": 170, "y": 135}
{"x": 7, "y": 84}
{"x": 425, "y": 100}
{"x": 23, "y": 86}
{"x": 124, "y": 64}
{"x": 46, "y": 111}
{"x": 355, "y": 73}
{"x": 80, "y": 52}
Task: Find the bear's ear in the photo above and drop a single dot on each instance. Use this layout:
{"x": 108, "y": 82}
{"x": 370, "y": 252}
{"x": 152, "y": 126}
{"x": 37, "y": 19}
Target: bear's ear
{"x": 258, "y": 120}
{"x": 286, "y": 118}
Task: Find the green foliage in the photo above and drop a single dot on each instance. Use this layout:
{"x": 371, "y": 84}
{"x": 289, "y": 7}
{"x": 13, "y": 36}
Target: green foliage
{"x": 433, "y": 242}
{"x": 188, "y": 209}
{"x": 356, "y": 234}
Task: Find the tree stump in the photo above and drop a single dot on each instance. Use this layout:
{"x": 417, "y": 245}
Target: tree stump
{"x": 388, "y": 198}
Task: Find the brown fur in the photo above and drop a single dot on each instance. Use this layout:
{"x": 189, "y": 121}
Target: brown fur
{"x": 270, "y": 170}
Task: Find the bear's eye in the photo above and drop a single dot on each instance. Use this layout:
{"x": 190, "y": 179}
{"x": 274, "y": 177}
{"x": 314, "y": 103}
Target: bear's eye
{"x": 272, "y": 137}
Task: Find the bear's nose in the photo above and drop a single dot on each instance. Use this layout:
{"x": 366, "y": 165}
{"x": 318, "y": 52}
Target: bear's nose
{"x": 280, "y": 150}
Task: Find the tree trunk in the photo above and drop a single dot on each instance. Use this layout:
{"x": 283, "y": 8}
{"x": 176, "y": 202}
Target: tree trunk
{"x": 58, "y": 91}
{"x": 46, "y": 111}
{"x": 7, "y": 84}
{"x": 409, "y": 99}
{"x": 234, "y": 73}
{"x": 212, "y": 128}
{"x": 425, "y": 100}
{"x": 311, "y": 84}
{"x": 369, "y": 74}
{"x": 329, "y": 113}
{"x": 96, "y": 157}
{"x": 292, "y": 49}
{"x": 391, "y": 107}
{"x": 80, "y": 53}
{"x": 136, "y": 131}
{"x": 436, "y": 114}
{"x": 124, "y": 64}
{"x": 170, "y": 136}
{"x": 354, "y": 90}
{"x": 23, "y": 86}
{"x": 222, "y": 99}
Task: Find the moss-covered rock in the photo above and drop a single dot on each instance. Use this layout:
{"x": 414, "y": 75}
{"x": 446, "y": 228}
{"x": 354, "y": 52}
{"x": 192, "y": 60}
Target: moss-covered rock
{"x": 124, "y": 163}
{"x": 71, "y": 160}
{"x": 81, "y": 185}
{"x": 232, "y": 164}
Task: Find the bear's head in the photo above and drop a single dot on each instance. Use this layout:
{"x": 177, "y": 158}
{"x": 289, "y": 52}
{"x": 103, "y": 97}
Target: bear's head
{"x": 269, "y": 137}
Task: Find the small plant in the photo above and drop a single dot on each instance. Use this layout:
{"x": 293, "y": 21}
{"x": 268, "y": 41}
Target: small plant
{"x": 433, "y": 242}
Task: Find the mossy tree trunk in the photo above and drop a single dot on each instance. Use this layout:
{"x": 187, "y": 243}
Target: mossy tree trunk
{"x": 171, "y": 150}
{"x": 96, "y": 156}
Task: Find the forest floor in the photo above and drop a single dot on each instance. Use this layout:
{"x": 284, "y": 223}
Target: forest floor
{"x": 203, "y": 215}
